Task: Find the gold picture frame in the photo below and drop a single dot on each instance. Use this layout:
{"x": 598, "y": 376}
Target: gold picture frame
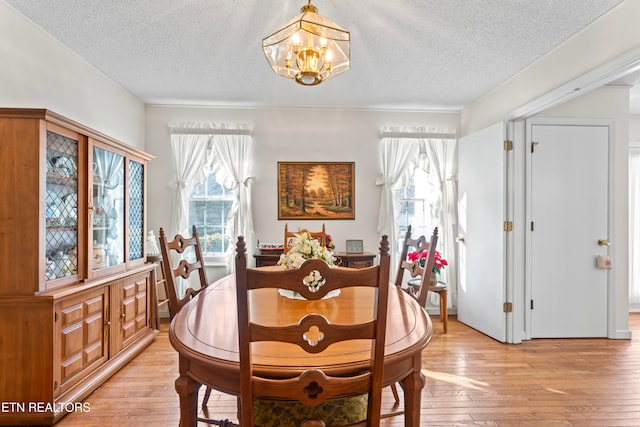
{"x": 316, "y": 190}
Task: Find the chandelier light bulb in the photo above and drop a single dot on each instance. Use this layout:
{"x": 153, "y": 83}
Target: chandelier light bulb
{"x": 328, "y": 56}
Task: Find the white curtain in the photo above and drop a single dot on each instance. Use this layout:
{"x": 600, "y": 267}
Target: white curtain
{"x": 396, "y": 154}
{"x": 189, "y": 147}
{"x": 400, "y": 151}
{"x": 634, "y": 226}
{"x": 231, "y": 167}
{"x": 110, "y": 168}
{"x": 441, "y": 154}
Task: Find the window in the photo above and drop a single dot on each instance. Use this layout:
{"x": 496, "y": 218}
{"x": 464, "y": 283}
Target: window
{"x": 209, "y": 206}
{"x": 418, "y": 199}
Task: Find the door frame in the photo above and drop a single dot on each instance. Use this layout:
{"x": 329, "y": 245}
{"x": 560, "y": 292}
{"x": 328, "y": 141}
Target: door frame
{"x": 514, "y": 242}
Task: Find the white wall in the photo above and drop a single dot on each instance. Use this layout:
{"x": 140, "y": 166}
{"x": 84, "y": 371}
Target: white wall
{"x": 290, "y": 135}
{"x": 39, "y": 72}
{"x": 634, "y": 130}
{"x": 612, "y": 35}
{"x": 611, "y": 103}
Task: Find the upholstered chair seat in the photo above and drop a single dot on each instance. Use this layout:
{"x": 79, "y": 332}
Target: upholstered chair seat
{"x": 335, "y": 412}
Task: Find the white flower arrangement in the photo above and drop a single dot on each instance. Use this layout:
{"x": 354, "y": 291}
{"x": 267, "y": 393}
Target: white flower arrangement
{"x": 303, "y": 248}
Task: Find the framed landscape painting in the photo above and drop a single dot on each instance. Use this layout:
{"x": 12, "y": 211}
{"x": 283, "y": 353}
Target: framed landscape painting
{"x": 316, "y": 190}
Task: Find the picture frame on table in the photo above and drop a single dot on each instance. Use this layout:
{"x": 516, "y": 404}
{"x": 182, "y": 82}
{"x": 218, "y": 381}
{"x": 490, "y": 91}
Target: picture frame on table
{"x": 354, "y": 247}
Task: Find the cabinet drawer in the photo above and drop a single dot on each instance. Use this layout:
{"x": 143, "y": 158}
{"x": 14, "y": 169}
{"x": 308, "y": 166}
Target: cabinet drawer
{"x": 359, "y": 264}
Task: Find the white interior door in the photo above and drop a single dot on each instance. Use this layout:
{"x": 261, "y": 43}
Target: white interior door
{"x": 569, "y": 201}
{"x": 481, "y": 210}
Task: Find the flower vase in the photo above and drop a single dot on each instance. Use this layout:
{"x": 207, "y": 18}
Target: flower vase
{"x": 433, "y": 280}
{"x": 294, "y": 295}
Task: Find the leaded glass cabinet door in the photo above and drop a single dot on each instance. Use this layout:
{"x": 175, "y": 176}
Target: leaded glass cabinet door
{"x": 136, "y": 211}
{"x": 107, "y": 243}
{"x": 61, "y": 208}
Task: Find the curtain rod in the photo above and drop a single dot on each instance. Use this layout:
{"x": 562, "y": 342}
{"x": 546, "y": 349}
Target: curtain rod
{"x": 201, "y": 131}
{"x": 418, "y": 135}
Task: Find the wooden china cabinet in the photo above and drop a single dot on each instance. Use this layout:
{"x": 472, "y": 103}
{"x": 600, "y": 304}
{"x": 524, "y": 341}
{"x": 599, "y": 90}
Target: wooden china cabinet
{"x": 74, "y": 286}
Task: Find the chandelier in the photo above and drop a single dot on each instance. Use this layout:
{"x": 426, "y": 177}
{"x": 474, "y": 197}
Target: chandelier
{"x": 309, "y": 49}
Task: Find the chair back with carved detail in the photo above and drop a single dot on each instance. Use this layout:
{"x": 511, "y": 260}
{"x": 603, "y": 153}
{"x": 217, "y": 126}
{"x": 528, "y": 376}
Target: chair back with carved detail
{"x": 182, "y": 258}
{"x": 418, "y": 245}
{"x": 313, "y": 334}
{"x": 186, "y": 254}
{"x": 321, "y": 236}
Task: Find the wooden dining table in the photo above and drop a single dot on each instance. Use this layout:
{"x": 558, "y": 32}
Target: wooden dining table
{"x": 205, "y": 335}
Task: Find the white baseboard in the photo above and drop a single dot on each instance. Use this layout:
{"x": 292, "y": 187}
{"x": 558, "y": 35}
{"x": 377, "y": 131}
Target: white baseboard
{"x": 624, "y": 334}
{"x": 435, "y": 311}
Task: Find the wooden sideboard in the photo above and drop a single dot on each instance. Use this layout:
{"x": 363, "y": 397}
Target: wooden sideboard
{"x": 352, "y": 260}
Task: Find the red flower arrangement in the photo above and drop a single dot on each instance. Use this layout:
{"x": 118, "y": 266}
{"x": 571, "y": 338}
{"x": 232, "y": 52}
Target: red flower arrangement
{"x": 438, "y": 262}
{"x": 329, "y": 243}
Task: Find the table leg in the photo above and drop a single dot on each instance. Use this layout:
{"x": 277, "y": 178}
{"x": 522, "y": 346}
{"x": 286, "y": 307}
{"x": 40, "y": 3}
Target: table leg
{"x": 413, "y": 385}
{"x": 444, "y": 310}
{"x": 187, "y": 389}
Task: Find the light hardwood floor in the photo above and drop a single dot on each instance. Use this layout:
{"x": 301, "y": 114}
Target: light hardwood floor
{"x": 471, "y": 380}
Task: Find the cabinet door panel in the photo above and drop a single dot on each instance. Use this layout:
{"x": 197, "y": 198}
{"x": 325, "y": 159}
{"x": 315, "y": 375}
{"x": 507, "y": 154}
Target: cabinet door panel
{"x": 70, "y": 315}
{"x": 93, "y": 330}
{"x": 93, "y": 353}
{"x": 72, "y": 365}
{"x": 72, "y": 349}
{"x": 135, "y": 213}
{"x": 72, "y": 339}
{"x": 107, "y": 221}
{"x": 133, "y": 309}
{"x": 129, "y": 291}
{"x": 82, "y": 335}
{"x": 61, "y": 207}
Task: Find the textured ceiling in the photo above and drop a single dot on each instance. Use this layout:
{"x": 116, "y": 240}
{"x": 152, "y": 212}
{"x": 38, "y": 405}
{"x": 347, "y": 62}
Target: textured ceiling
{"x": 410, "y": 54}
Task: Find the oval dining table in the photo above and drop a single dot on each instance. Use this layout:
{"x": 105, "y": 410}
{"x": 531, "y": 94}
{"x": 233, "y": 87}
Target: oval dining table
{"x": 205, "y": 335}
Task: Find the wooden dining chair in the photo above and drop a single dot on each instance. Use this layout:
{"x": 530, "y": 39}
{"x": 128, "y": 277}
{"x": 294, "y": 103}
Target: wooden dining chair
{"x": 424, "y": 286}
{"x": 290, "y": 235}
{"x": 312, "y": 389}
{"x": 174, "y": 252}
{"x": 420, "y": 291}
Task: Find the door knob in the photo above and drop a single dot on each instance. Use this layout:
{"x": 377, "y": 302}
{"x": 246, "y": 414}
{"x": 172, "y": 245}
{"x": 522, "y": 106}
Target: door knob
{"x": 460, "y": 239}
{"x": 603, "y": 242}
